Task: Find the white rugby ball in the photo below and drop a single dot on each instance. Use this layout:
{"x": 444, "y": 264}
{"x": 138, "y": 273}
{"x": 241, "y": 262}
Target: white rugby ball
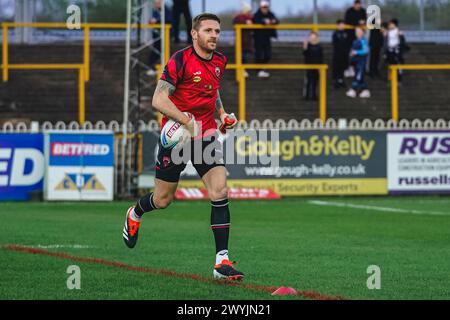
{"x": 172, "y": 132}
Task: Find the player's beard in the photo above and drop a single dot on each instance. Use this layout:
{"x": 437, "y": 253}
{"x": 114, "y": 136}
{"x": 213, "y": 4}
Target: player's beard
{"x": 205, "y": 44}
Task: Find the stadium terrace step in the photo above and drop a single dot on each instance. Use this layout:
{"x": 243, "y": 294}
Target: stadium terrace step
{"x": 53, "y": 95}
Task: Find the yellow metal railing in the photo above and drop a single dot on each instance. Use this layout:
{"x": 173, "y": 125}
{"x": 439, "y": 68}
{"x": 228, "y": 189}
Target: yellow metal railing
{"x": 84, "y": 75}
{"x": 84, "y": 68}
{"x": 240, "y": 67}
{"x": 394, "y": 81}
{"x": 81, "y": 80}
{"x": 322, "y": 68}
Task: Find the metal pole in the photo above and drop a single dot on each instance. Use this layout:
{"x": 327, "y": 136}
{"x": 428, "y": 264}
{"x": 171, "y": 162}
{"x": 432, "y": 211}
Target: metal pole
{"x": 422, "y": 16}
{"x": 203, "y": 5}
{"x": 163, "y": 33}
{"x": 323, "y": 95}
{"x": 125, "y": 94}
{"x": 394, "y": 93}
{"x": 315, "y": 13}
{"x": 85, "y": 13}
{"x": 138, "y": 67}
{"x": 255, "y": 5}
{"x": 135, "y": 121}
{"x": 18, "y": 17}
{"x": 81, "y": 96}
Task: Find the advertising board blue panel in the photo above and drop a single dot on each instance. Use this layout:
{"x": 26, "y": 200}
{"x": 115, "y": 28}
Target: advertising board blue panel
{"x": 21, "y": 165}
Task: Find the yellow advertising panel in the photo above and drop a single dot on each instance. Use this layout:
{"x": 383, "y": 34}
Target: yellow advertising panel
{"x": 307, "y": 187}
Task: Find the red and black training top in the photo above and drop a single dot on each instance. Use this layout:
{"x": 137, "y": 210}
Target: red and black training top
{"x": 196, "y": 81}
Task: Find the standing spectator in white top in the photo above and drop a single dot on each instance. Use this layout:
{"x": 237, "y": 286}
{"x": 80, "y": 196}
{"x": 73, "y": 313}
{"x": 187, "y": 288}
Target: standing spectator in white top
{"x": 395, "y": 46}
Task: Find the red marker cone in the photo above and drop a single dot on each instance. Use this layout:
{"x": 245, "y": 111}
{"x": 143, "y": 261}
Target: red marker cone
{"x": 284, "y": 291}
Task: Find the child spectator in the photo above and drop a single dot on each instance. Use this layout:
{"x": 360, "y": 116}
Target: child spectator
{"x": 355, "y": 16}
{"x": 358, "y": 53}
{"x": 395, "y": 46}
{"x": 313, "y": 53}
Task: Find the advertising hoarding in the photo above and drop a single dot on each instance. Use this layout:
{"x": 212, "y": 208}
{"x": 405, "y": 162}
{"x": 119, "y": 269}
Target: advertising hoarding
{"x": 21, "y": 165}
{"x": 419, "y": 162}
{"x": 80, "y": 166}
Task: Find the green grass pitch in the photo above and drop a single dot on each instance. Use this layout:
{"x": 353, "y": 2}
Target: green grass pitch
{"x": 295, "y": 242}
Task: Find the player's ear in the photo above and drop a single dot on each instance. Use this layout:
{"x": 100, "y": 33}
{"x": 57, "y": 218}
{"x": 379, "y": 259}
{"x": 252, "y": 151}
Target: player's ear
{"x": 194, "y": 34}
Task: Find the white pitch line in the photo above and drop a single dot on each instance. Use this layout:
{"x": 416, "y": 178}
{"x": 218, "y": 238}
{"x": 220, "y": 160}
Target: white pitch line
{"x": 60, "y": 246}
{"x": 375, "y": 208}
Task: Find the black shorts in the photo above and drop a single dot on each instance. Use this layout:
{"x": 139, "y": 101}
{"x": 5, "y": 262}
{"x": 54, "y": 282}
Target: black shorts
{"x": 169, "y": 167}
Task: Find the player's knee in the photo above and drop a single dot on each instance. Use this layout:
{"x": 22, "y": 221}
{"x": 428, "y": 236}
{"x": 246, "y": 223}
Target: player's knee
{"x": 218, "y": 193}
{"x": 162, "y": 202}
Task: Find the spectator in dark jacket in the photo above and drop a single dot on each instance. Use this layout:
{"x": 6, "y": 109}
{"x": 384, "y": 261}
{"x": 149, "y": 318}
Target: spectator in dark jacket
{"x": 356, "y": 15}
{"x": 155, "y": 53}
{"x": 395, "y": 46}
{"x": 341, "y": 48}
{"x": 262, "y": 37}
{"x": 245, "y": 17}
{"x": 313, "y": 53}
{"x": 359, "y": 52}
{"x": 376, "y": 42}
{"x": 181, "y": 7}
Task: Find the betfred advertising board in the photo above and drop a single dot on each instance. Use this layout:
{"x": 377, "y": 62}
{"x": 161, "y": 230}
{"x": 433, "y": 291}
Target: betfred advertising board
{"x": 80, "y": 166}
{"x": 419, "y": 162}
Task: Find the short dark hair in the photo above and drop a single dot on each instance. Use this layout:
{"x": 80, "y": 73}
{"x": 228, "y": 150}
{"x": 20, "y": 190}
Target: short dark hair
{"x": 339, "y": 21}
{"x": 202, "y": 17}
{"x": 357, "y": 2}
{"x": 394, "y": 21}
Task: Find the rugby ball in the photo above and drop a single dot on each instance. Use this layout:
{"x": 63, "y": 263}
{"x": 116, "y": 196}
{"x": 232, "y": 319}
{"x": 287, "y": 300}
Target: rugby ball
{"x": 172, "y": 132}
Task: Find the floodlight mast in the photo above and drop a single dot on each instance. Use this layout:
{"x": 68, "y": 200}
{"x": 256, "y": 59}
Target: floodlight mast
{"x": 126, "y": 96}
{"x": 137, "y": 86}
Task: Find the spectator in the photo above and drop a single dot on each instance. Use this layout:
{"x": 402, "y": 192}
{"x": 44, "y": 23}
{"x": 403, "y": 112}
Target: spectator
{"x": 395, "y": 46}
{"x": 155, "y": 53}
{"x": 313, "y": 53}
{"x": 262, "y": 37}
{"x": 245, "y": 17}
{"x": 358, "y": 53}
{"x": 376, "y": 42}
{"x": 181, "y": 7}
{"x": 341, "y": 47}
{"x": 354, "y": 16}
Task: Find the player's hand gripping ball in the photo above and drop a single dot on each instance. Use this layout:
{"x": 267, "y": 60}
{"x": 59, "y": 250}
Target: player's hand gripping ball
{"x": 174, "y": 132}
{"x": 229, "y": 121}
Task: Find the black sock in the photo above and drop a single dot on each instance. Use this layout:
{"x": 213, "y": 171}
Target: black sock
{"x": 220, "y": 223}
{"x": 145, "y": 204}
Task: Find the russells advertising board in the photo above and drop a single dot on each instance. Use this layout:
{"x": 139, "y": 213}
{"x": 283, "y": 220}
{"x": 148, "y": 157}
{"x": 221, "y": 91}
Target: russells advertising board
{"x": 419, "y": 162}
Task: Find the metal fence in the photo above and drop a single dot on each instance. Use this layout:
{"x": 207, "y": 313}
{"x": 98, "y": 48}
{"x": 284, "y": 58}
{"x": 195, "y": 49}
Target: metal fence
{"x": 280, "y": 124}
{"x": 127, "y": 162}
{"x": 227, "y": 36}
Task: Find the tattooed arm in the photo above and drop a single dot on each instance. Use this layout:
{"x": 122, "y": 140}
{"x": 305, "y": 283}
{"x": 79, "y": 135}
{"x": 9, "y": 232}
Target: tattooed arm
{"x": 163, "y": 104}
{"x": 219, "y": 105}
{"x": 222, "y": 113}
